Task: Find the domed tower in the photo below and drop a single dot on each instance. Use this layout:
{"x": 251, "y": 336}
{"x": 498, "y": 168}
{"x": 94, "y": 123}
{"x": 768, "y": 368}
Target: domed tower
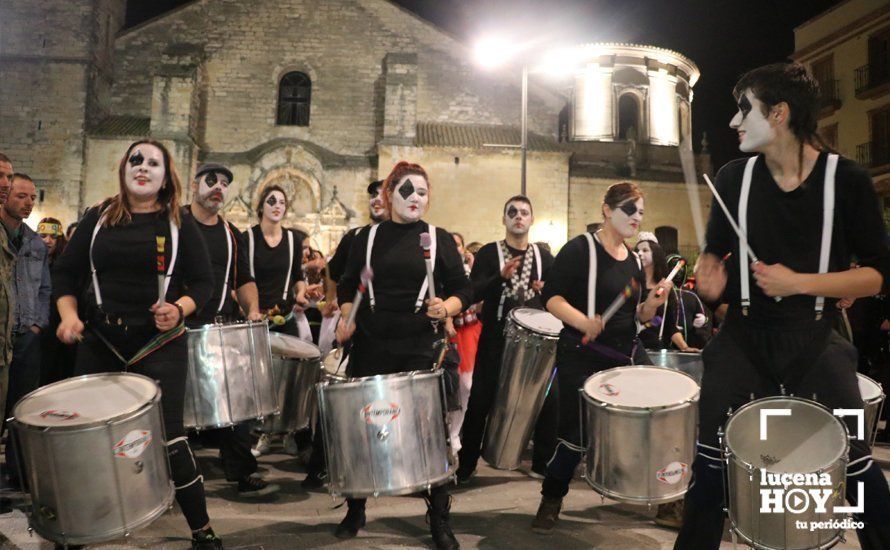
{"x": 629, "y": 91}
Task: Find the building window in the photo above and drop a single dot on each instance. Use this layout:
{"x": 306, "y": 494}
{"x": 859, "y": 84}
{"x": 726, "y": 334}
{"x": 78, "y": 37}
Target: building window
{"x": 628, "y": 117}
{"x": 871, "y": 79}
{"x": 294, "y": 94}
{"x": 823, "y": 72}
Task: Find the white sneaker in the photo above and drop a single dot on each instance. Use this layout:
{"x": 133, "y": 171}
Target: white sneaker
{"x": 262, "y": 446}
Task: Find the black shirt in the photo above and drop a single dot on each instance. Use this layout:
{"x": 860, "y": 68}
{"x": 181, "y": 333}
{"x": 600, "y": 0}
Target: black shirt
{"x": 786, "y": 227}
{"x": 216, "y": 238}
{"x": 568, "y": 278}
{"x": 488, "y": 284}
{"x": 270, "y": 266}
{"x": 649, "y": 335}
{"x": 125, "y": 257}
{"x": 399, "y": 272}
{"x": 338, "y": 261}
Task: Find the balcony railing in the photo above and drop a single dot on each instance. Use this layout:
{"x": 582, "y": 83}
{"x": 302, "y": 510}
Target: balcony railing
{"x": 873, "y": 154}
{"x": 871, "y": 76}
{"x": 829, "y": 95}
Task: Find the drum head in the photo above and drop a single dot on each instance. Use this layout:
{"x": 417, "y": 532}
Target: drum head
{"x": 641, "y": 387}
{"x": 807, "y": 440}
{"x": 286, "y": 345}
{"x": 85, "y": 400}
{"x": 869, "y": 389}
{"x": 536, "y": 320}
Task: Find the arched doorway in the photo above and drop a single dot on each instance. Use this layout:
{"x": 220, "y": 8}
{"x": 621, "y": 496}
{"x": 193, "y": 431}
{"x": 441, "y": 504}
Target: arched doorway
{"x": 628, "y": 117}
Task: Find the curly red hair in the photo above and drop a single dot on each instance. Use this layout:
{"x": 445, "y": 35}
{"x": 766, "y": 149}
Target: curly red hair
{"x": 398, "y": 172}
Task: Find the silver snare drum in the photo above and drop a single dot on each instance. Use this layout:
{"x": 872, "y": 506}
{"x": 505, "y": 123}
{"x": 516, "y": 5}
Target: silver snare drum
{"x": 810, "y": 442}
{"x": 296, "y": 367}
{"x": 385, "y": 435}
{"x": 688, "y": 362}
{"x": 873, "y": 397}
{"x": 640, "y": 425}
{"x": 230, "y": 375}
{"x": 525, "y": 378}
{"x": 95, "y": 457}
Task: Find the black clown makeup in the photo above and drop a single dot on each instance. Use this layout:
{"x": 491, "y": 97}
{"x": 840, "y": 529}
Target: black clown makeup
{"x": 626, "y": 217}
{"x": 518, "y": 218}
{"x": 136, "y": 158}
{"x": 753, "y": 127}
{"x": 375, "y": 204}
{"x": 410, "y": 199}
{"x": 512, "y": 211}
{"x": 629, "y": 208}
{"x": 407, "y": 189}
{"x": 212, "y": 191}
{"x": 145, "y": 172}
{"x": 275, "y": 206}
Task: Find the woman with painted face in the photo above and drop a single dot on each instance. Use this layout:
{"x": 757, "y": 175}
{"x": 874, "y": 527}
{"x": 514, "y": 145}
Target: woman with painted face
{"x": 655, "y": 267}
{"x": 805, "y": 212}
{"x": 56, "y": 359}
{"x": 129, "y": 327}
{"x": 586, "y": 345}
{"x": 395, "y": 327}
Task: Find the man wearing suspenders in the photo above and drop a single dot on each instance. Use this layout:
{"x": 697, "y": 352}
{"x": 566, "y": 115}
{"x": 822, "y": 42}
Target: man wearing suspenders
{"x": 506, "y": 274}
{"x": 231, "y": 272}
{"x": 804, "y": 212}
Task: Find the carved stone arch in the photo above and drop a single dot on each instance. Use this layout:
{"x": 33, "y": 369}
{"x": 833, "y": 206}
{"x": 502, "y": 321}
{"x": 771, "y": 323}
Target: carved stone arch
{"x": 639, "y": 95}
{"x": 630, "y": 77}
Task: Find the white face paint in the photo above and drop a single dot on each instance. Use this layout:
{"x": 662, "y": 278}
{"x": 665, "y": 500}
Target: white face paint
{"x": 145, "y": 171}
{"x": 375, "y": 204}
{"x": 645, "y": 253}
{"x": 627, "y": 224}
{"x": 212, "y": 190}
{"x": 755, "y": 131}
{"x": 518, "y": 218}
{"x": 410, "y": 198}
{"x": 275, "y": 206}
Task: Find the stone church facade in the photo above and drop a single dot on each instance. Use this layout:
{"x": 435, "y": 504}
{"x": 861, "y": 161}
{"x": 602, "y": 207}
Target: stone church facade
{"x": 323, "y": 96}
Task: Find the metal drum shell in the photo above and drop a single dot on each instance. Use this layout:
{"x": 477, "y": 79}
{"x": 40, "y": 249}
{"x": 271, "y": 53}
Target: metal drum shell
{"x": 109, "y": 496}
{"x": 525, "y": 374}
{"x": 770, "y": 531}
{"x": 295, "y": 381}
{"x": 873, "y": 408}
{"x": 404, "y": 455}
{"x": 646, "y": 441}
{"x": 688, "y": 362}
{"x": 230, "y": 377}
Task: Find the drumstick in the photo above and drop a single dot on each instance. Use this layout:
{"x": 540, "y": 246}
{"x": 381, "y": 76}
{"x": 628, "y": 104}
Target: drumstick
{"x": 426, "y": 242}
{"x": 732, "y": 223}
{"x": 616, "y": 304}
{"x": 687, "y": 161}
{"x": 670, "y": 277}
{"x": 366, "y": 277}
{"x": 162, "y": 268}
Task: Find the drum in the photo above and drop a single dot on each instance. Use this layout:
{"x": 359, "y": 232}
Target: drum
{"x": 95, "y": 456}
{"x": 385, "y": 435}
{"x": 334, "y": 365}
{"x": 524, "y": 380}
{"x": 873, "y": 396}
{"x": 641, "y": 426}
{"x": 806, "y": 448}
{"x": 296, "y": 368}
{"x": 230, "y": 376}
{"x": 687, "y": 362}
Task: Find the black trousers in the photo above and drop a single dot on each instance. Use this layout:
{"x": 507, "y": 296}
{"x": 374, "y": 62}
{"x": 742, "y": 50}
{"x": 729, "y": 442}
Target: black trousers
{"x": 24, "y": 377}
{"x": 234, "y": 450}
{"x": 168, "y": 366}
{"x": 813, "y": 362}
{"x": 482, "y": 395}
{"x": 575, "y": 363}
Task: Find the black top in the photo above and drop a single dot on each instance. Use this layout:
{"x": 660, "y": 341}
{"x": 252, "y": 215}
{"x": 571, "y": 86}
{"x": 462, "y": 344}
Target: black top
{"x": 399, "y": 272}
{"x": 337, "y": 265}
{"x": 488, "y": 284}
{"x": 649, "y": 335}
{"x": 270, "y": 269}
{"x": 786, "y": 228}
{"x": 216, "y": 238}
{"x": 568, "y": 278}
{"x": 125, "y": 257}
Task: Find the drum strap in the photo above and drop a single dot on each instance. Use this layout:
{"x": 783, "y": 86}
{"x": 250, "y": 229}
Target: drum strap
{"x": 229, "y": 245}
{"x": 372, "y": 234}
{"x": 827, "y": 228}
{"x": 251, "y": 246}
{"x": 174, "y": 248}
{"x": 591, "y": 275}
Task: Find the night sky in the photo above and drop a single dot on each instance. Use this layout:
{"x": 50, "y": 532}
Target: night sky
{"x": 723, "y": 37}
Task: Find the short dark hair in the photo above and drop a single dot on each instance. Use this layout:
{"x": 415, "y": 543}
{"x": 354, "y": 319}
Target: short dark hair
{"x": 21, "y": 176}
{"x": 619, "y": 192}
{"x": 519, "y": 198}
{"x": 4, "y": 158}
{"x": 265, "y": 194}
{"x": 374, "y": 186}
{"x": 792, "y": 84}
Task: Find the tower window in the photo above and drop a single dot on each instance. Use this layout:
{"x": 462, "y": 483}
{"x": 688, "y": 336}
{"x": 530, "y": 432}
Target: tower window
{"x": 294, "y": 94}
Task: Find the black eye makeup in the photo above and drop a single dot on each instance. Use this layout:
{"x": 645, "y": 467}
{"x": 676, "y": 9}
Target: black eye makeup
{"x": 136, "y": 159}
{"x": 629, "y": 208}
{"x": 744, "y": 106}
{"x": 273, "y": 200}
{"x": 407, "y": 189}
{"x": 512, "y": 212}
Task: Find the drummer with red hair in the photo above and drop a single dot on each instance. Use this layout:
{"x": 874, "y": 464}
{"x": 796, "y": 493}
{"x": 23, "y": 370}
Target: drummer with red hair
{"x": 396, "y": 328}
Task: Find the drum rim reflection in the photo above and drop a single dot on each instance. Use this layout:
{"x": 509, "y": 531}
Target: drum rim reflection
{"x": 673, "y": 352}
{"x": 150, "y": 399}
{"x": 353, "y": 381}
{"x": 670, "y": 406}
{"x": 878, "y": 398}
{"x": 512, "y": 315}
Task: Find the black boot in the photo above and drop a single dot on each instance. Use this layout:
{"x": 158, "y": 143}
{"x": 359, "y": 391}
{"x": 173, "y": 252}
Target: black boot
{"x": 438, "y": 511}
{"x": 548, "y": 515}
{"x": 702, "y": 526}
{"x": 874, "y": 536}
{"x": 354, "y": 520}
{"x": 206, "y": 539}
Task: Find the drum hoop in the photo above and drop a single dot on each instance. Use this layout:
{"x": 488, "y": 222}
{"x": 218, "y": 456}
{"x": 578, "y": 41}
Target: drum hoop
{"x": 358, "y": 381}
{"x": 232, "y": 325}
{"x": 604, "y": 405}
{"x": 878, "y": 398}
{"x": 515, "y": 321}
{"x": 297, "y": 359}
{"x": 673, "y": 352}
{"x": 154, "y": 399}
{"x": 730, "y": 455}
